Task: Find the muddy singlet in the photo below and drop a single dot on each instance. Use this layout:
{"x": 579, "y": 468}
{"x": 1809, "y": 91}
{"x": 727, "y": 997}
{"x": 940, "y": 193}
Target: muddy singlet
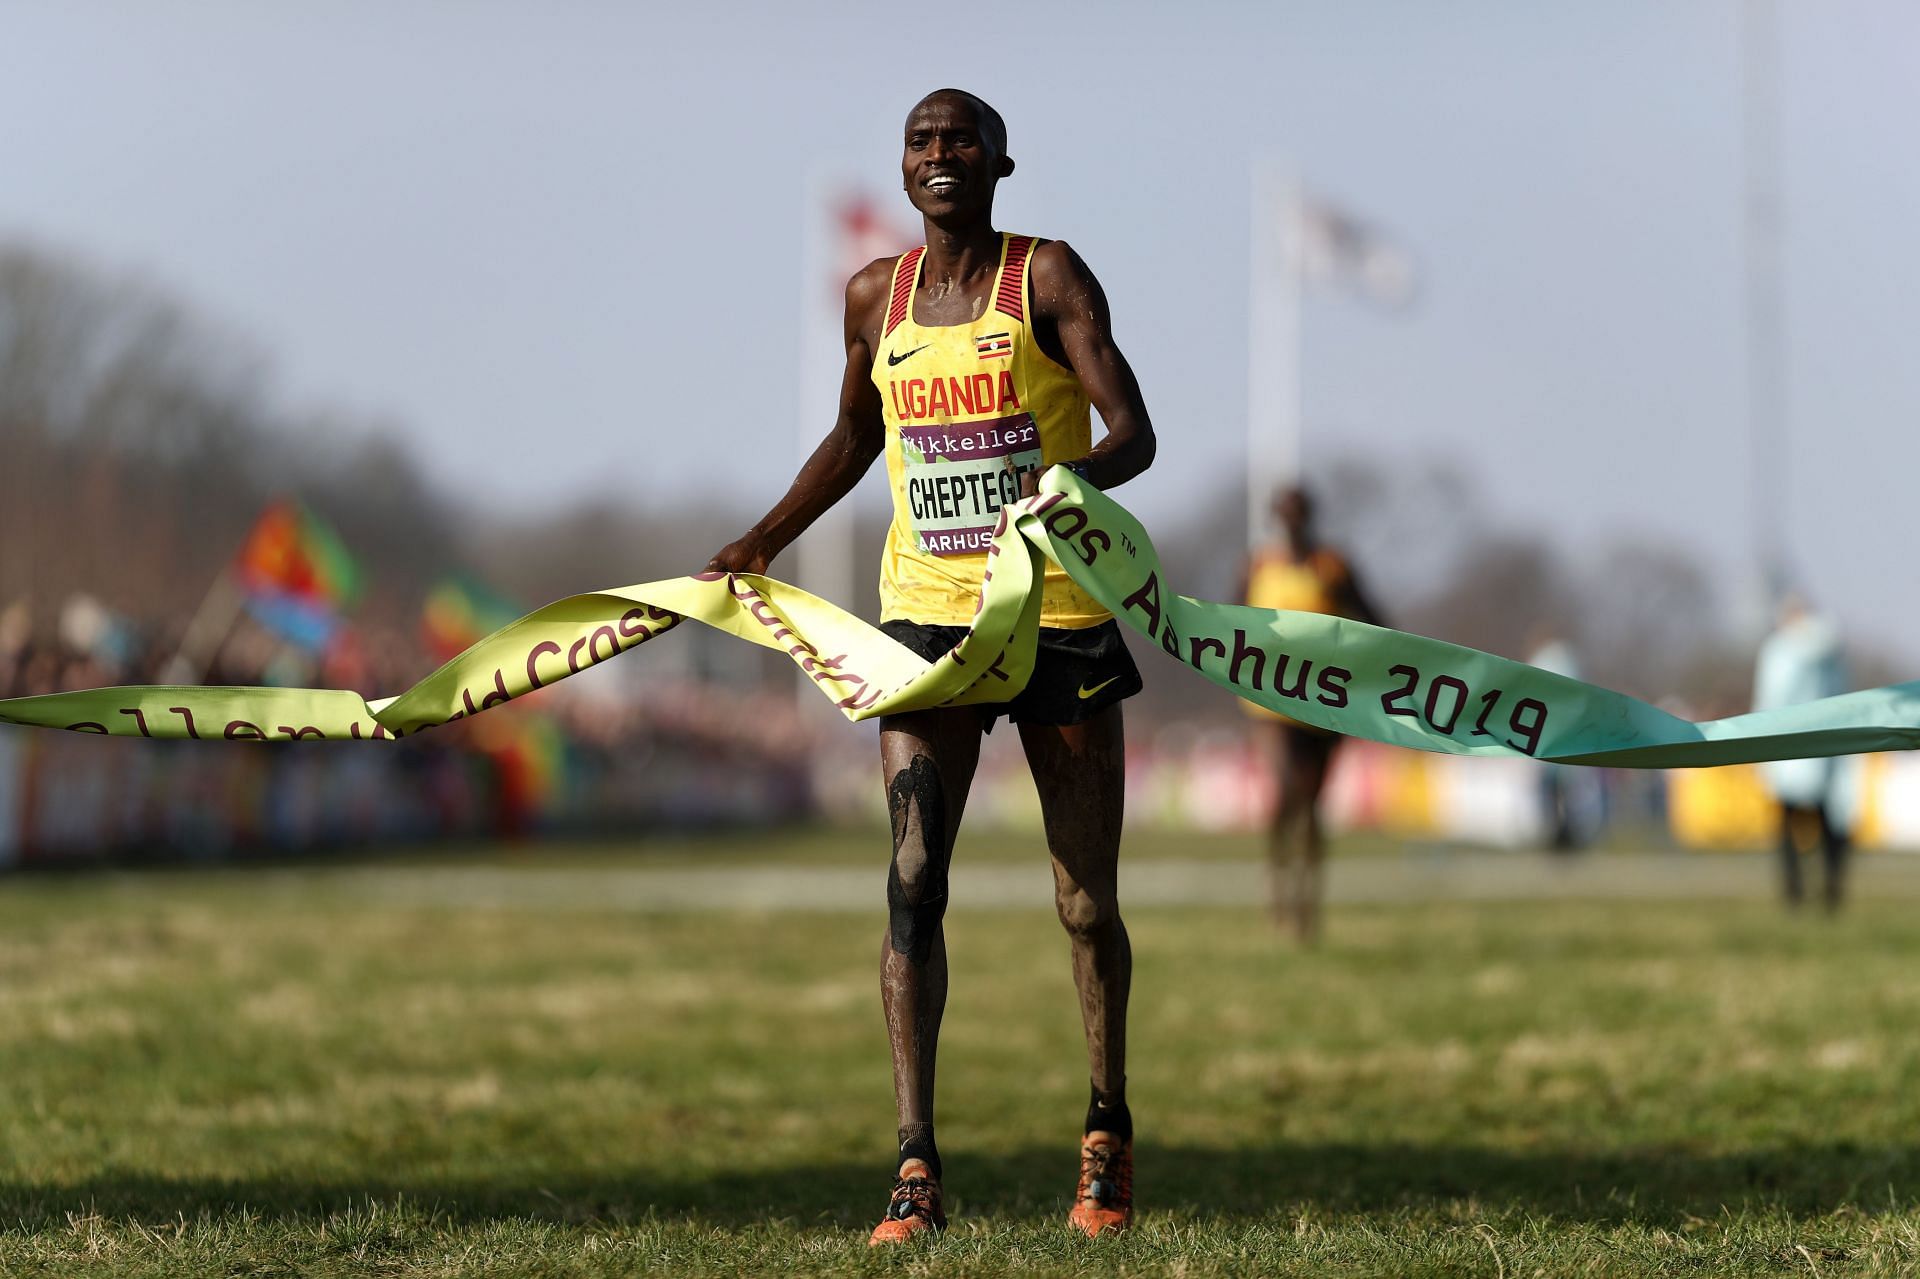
{"x": 970, "y": 408}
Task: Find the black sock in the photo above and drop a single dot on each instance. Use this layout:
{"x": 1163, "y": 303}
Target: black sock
{"x": 916, "y": 1142}
{"x": 1107, "y": 1112}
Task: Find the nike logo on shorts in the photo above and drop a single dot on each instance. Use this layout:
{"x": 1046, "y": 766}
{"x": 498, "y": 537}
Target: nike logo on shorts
{"x": 1086, "y": 692}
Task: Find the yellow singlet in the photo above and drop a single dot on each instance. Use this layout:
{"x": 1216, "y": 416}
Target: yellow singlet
{"x": 1276, "y": 580}
{"x": 1305, "y": 586}
{"x": 969, "y": 409}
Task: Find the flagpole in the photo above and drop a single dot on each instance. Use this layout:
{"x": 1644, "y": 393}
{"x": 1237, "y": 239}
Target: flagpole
{"x": 824, "y": 555}
{"x": 1766, "y": 314}
{"x": 211, "y": 624}
{"x": 1274, "y": 278}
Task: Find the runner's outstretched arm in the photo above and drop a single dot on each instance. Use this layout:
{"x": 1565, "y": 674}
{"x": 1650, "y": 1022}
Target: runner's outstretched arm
{"x": 856, "y": 439}
{"x": 1070, "y": 307}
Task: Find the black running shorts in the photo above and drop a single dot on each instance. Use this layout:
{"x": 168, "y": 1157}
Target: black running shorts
{"x": 1076, "y": 674}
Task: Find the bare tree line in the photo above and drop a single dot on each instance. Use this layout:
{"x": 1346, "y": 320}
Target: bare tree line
{"x": 138, "y": 449}
{"x": 137, "y": 446}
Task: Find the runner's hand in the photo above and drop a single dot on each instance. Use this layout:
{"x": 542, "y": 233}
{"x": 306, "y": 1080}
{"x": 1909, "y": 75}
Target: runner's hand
{"x": 748, "y": 554}
{"x": 1030, "y": 480}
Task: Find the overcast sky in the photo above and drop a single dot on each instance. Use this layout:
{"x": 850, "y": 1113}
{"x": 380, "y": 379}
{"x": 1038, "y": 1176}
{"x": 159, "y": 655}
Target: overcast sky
{"x": 555, "y": 244}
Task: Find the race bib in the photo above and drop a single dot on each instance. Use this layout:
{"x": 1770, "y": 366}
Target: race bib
{"x": 958, "y": 478}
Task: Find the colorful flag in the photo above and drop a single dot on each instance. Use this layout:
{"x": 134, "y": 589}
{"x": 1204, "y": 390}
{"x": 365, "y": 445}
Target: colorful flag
{"x": 459, "y": 611}
{"x": 993, "y": 345}
{"x": 527, "y": 750}
{"x": 297, "y": 575}
{"x": 291, "y": 552}
{"x": 865, "y": 232}
{"x": 1337, "y": 247}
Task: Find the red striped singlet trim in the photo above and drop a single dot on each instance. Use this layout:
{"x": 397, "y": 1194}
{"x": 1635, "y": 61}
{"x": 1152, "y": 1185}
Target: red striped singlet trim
{"x": 906, "y": 273}
{"x": 1011, "y": 299}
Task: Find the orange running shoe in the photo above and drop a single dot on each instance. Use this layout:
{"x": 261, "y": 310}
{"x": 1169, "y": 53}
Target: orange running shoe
{"x": 1104, "y": 1202}
{"x": 914, "y": 1209}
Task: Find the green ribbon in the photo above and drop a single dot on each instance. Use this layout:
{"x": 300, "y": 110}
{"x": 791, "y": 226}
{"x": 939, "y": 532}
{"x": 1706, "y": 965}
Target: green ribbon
{"x": 1330, "y": 672}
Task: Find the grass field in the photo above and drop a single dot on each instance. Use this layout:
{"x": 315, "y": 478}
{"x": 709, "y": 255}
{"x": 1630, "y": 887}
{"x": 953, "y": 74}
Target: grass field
{"x": 238, "y": 1073}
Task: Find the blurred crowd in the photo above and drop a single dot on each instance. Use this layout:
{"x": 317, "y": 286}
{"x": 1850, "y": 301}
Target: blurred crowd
{"x": 591, "y": 756}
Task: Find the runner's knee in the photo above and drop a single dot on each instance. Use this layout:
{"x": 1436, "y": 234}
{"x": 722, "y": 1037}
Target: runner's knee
{"x": 916, "y": 903}
{"x": 1084, "y": 913}
{"x": 917, "y": 876}
{"x": 916, "y": 881}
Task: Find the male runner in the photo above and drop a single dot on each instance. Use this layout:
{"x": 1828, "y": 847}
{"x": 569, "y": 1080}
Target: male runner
{"x": 1802, "y": 660}
{"x": 1008, "y": 336}
{"x": 1303, "y": 575}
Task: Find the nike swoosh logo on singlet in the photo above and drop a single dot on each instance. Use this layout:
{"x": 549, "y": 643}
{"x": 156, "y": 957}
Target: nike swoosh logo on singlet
{"x": 1086, "y": 692}
{"x": 893, "y": 359}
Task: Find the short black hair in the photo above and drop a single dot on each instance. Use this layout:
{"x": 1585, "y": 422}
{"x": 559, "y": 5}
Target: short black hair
{"x": 1299, "y": 494}
{"x": 991, "y": 123}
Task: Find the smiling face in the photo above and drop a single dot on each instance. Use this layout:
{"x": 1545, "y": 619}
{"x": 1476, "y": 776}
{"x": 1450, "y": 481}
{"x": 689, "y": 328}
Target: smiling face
{"x": 955, "y": 155}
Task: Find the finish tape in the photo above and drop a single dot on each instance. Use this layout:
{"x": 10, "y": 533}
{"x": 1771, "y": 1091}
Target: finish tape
{"x": 1330, "y": 672}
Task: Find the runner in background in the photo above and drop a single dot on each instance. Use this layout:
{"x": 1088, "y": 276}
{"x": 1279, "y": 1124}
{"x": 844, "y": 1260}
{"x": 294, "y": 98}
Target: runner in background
{"x": 1299, "y": 573}
{"x": 1572, "y": 800}
{"x": 1801, "y": 661}
{"x": 972, "y": 363}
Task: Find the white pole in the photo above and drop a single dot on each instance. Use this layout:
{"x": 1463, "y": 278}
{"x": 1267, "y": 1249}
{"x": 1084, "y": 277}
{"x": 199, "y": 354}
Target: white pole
{"x": 1274, "y": 275}
{"x": 212, "y": 622}
{"x": 1766, "y": 312}
{"x": 824, "y": 555}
